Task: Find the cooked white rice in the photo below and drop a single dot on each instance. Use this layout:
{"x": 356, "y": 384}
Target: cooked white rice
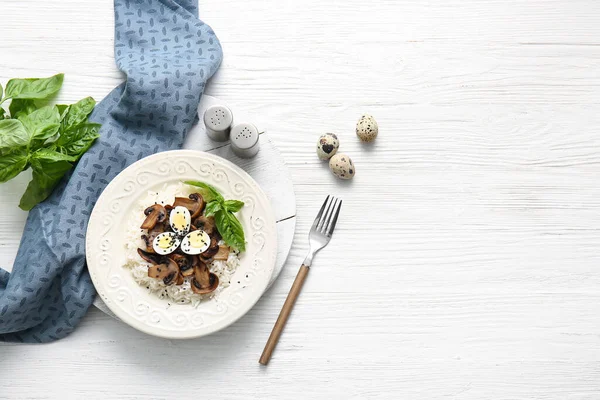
{"x": 181, "y": 294}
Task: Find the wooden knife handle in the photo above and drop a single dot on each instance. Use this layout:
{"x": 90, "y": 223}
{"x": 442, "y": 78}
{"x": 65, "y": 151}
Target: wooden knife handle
{"x": 284, "y": 315}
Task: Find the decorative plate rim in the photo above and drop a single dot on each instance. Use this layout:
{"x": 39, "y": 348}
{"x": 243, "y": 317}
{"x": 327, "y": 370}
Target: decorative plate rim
{"x": 146, "y": 312}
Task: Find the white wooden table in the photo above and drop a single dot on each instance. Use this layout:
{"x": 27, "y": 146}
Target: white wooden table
{"x": 466, "y": 263}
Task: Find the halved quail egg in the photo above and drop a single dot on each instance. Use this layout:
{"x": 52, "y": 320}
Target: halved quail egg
{"x": 180, "y": 220}
{"x": 165, "y": 243}
{"x": 195, "y": 242}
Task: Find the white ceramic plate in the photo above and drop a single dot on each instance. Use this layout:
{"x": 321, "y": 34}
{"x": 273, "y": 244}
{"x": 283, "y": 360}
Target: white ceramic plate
{"x": 106, "y": 253}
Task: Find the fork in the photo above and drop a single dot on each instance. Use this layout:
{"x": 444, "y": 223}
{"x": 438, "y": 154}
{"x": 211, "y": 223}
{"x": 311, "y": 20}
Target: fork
{"x": 319, "y": 237}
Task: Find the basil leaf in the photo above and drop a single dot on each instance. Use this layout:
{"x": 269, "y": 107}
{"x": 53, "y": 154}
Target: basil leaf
{"x": 34, "y": 88}
{"x": 47, "y": 155}
{"x": 19, "y": 108}
{"x": 62, "y": 110}
{"x": 52, "y": 139}
{"x": 207, "y": 191}
{"x": 230, "y": 229}
{"x": 12, "y": 164}
{"x": 233, "y": 205}
{"x": 42, "y": 123}
{"x": 2, "y": 113}
{"x": 73, "y": 135}
{"x": 12, "y": 135}
{"x": 228, "y": 225}
{"x": 78, "y": 140}
{"x": 46, "y": 174}
{"x": 212, "y": 208}
{"x": 78, "y": 113}
{"x": 16, "y": 86}
{"x": 1, "y": 93}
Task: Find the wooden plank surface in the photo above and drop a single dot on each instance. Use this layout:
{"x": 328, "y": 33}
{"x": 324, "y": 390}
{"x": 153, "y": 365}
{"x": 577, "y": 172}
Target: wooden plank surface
{"x": 465, "y": 262}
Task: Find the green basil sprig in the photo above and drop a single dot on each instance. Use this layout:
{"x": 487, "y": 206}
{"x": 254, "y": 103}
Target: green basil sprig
{"x": 46, "y": 138}
{"x": 223, "y": 210}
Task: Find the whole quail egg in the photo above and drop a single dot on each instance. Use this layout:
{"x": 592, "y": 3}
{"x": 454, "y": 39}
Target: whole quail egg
{"x": 366, "y": 128}
{"x": 327, "y": 146}
{"x": 341, "y": 165}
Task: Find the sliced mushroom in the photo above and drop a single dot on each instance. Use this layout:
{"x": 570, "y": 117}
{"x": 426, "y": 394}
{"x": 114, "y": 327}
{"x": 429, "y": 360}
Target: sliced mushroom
{"x": 169, "y": 273}
{"x": 148, "y": 243}
{"x": 179, "y": 280}
{"x": 178, "y": 258}
{"x": 197, "y": 197}
{"x": 159, "y": 271}
{"x": 154, "y": 214}
{"x": 184, "y": 263}
{"x": 222, "y": 254}
{"x": 194, "y": 203}
{"x": 204, "y": 281}
{"x": 194, "y": 261}
{"x": 167, "y": 223}
{"x": 212, "y": 249}
{"x": 207, "y": 224}
{"x": 205, "y": 260}
{"x": 152, "y": 258}
{"x": 173, "y": 273}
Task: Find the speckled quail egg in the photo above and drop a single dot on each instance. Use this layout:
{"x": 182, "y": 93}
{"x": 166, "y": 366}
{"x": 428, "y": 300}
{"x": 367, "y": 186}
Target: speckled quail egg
{"x": 180, "y": 220}
{"x": 341, "y": 165}
{"x": 165, "y": 243}
{"x": 327, "y": 146}
{"x": 367, "y": 128}
{"x": 195, "y": 242}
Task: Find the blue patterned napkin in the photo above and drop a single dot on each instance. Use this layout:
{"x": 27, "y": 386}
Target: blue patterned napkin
{"x": 167, "y": 55}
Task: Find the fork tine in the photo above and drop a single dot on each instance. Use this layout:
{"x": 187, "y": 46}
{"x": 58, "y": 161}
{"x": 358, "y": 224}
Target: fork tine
{"x": 328, "y": 214}
{"x": 331, "y": 225}
{"x": 323, "y": 219}
{"x": 318, "y": 217}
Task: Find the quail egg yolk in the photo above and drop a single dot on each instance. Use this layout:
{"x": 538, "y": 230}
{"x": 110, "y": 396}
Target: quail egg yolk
{"x": 197, "y": 240}
{"x": 179, "y": 221}
{"x": 165, "y": 242}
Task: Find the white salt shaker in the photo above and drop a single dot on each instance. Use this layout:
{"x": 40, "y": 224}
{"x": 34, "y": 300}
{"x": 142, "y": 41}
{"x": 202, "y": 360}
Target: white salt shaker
{"x": 218, "y": 120}
{"x": 244, "y": 140}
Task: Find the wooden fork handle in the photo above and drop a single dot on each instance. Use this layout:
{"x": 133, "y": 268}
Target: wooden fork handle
{"x": 284, "y": 315}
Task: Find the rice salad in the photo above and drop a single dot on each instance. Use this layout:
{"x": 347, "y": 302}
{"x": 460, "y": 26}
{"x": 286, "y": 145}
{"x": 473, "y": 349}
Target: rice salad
{"x": 178, "y": 294}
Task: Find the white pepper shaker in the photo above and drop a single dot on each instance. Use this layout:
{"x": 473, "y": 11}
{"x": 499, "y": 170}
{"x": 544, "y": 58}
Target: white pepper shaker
{"x": 244, "y": 140}
{"x": 218, "y": 120}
